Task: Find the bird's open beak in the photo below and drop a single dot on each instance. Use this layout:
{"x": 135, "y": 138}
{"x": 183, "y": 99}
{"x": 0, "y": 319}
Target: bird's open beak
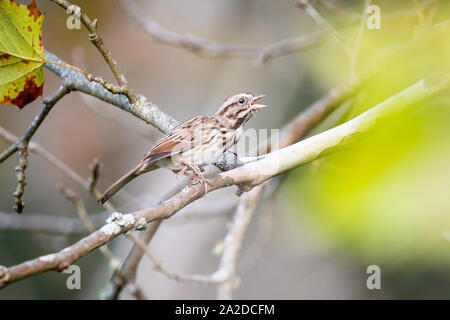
{"x": 256, "y": 97}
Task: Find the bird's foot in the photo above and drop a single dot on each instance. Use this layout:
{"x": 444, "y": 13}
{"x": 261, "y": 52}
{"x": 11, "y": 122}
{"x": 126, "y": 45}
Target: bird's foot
{"x": 197, "y": 176}
{"x": 200, "y": 179}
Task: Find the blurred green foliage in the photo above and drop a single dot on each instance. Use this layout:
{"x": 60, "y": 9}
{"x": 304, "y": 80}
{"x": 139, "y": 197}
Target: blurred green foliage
{"x": 387, "y": 198}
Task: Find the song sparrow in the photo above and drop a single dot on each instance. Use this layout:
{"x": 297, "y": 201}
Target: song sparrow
{"x": 196, "y": 142}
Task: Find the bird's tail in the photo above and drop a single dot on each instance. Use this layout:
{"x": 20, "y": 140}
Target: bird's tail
{"x": 119, "y": 184}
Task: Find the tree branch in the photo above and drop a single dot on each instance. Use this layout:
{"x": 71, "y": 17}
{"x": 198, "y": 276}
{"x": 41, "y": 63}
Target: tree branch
{"x": 197, "y": 278}
{"x": 20, "y": 168}
{"x": 254, "y": 173}
{"x": 128, "y": 271}
{"x": 49, "y": 102}
{"x": 35, "y": 222}
{"x": 329, "y": 5}
{"x": 70, "y": 195}
{"x": 233, "y": 242}
{"x": 142, "y": 108}
{"x": 210, "y": 49}
{"x": 21, "y": 145}
{"x": 355, "y": 51}
{"x": 309, "y": 9}
{"x": 97, "y": 41}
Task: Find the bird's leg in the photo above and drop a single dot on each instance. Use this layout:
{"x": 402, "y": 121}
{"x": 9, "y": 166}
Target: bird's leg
{"x": 182, "y": 171}
{"x": 200, "y": 177}
{"x": 197, "y": 174}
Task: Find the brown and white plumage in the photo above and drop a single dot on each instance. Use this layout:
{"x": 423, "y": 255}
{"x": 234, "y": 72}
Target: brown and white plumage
{"x": 196, "y": 142}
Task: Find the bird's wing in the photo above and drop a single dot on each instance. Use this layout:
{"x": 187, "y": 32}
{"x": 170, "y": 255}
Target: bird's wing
{"x": 176, "y": 140}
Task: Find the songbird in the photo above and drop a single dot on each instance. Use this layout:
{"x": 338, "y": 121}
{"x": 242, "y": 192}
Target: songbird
{"x": 196, "y": 142}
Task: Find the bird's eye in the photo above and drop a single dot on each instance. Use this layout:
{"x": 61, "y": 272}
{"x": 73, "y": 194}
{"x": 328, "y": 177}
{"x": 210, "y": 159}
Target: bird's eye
{"x": 241, "y": 100}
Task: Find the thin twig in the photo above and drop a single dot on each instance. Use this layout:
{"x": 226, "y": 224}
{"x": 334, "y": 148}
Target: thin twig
{"x": 128, "y": 271}
{"x": 198, "y": 278}
{"x": 95, "y": 38}
{"x": 262, "y": 237}
{"x": 36, "y": 222}
{"x": 49, "y": 102}
{"x": 205, "y": 212}
{"x": 419, "y": 12}
{"x": 91, "y": 185}
{"x": 355, "y": 51}
{"x": 233, "y": 242}
{"x": 144, "y": 109}
{"x": 68, "y": 225}
{"x": 20, "y": 168}
{"x": 309, "y": 9}
{"x": 210, "y": 49}
{"x": 21, "y": 145}
{"x": 95, "y": 174}
{"x": 70, "y": 195}
{"x": 329, "y": 5}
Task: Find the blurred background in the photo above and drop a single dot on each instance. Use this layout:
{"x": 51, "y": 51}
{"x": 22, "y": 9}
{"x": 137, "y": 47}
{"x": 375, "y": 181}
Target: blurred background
{"x": 384, "y": 202}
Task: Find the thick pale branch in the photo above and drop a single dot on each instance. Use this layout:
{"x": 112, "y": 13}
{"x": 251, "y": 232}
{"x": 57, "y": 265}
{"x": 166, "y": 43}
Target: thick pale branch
{"x": 341, "y": 136}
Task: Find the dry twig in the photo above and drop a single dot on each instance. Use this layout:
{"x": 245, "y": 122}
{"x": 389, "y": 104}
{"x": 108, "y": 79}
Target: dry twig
{"x": 355, "y": 51}
{"x": 70, "y": 195}
{"x": 95, "y": 38}
{"x": 21, "y": 145}
{"x": 211, "y": 49}
{"x": 48, "y": 105}
{"x": 20, "y": 168}
{"x": 309, "y": 9}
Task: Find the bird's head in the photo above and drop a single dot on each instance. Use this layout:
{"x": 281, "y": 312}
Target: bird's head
{"x": 239, "y": 108}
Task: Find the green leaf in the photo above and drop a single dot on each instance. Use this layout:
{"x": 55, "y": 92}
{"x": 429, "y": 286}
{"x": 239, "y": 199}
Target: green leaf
{"x": 21, "y": 53}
